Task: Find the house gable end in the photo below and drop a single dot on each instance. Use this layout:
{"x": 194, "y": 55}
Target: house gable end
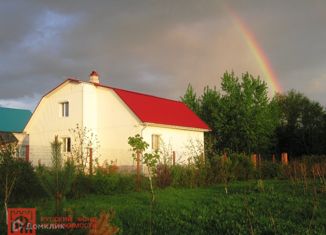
{"x": 44, "y": 100}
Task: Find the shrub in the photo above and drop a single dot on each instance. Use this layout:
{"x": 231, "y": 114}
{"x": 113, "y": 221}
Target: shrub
{"x": 103, "y": 184}
{"x": 243, "y": 168}
{"x": 106, "y": 184}
{"x": 17, "y": 180}
{"x": 113, "y": 183}
{"x": 183, "y": 176}
{"x": 18, "y": 177}
{"x": 222, "y": 168}
{"x": 213, "y": 169}
{"x": 163, "y": 177}
{"x": 82, "y": 185}
{"x": 27, "y": 186}
{"x": 127, "y": 183}
{"x": 270, "y": 170}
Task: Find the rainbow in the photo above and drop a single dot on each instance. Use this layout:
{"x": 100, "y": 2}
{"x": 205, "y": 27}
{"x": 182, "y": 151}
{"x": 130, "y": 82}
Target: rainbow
{"x": 268, "y": 73}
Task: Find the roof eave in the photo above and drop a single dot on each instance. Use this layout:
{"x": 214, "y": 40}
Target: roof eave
{"x": 175, "y": 127}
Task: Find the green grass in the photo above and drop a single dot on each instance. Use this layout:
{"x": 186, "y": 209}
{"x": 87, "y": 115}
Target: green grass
{"x": 281, "y": 208}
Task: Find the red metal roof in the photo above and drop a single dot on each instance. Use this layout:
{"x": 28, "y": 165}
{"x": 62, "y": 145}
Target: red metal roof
{"x": 152, "y": 109}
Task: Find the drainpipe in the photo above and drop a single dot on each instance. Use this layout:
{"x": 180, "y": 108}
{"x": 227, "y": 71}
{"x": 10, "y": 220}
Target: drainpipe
{"x": 141, "y": 131}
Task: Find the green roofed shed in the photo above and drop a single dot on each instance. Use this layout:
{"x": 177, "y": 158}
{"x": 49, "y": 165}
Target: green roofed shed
{"x": 13, "y": 120}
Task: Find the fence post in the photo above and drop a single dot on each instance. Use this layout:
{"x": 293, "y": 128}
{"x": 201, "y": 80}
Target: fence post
{"x": 27, "y": 153}
{"x": 285, "y": 159}
{"x": 225, "y": 157}
{"x": 173, "y": 158}
{"x": 254, "y": 160}
{"x": 91, "y": 161}
{"x": 273, "y": 158}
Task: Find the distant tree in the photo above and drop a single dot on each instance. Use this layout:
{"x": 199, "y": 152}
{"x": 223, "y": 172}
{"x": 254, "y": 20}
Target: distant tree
{"x": 241, "y": 116}
{"x": 248, "y": 119}
{"x": 190, "y": 99}
{"x": 210, "y": 112}
{"x": 302, "y": 125}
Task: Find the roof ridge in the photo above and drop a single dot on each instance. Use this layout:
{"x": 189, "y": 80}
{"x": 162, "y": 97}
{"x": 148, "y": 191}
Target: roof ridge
{"x": 154, "y": 96}
{"x": 123, "y": 89}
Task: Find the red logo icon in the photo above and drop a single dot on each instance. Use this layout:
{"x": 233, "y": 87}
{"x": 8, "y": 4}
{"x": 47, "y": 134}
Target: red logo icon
{"x": 21, "y": 221}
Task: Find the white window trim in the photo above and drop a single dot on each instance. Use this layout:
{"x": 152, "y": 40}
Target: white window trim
{"x": 65, "y": 144}
{"x": 158, "y": 141}
{"x": 63, "y": 111}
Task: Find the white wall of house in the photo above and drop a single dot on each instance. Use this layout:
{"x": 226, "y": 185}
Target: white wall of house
{"x": 183, "y": 141}
{"x": 90, "y": 106}
{"x": 100, "y": 110}
{"x": 115, "y": 123}
{"x": 47, "y": 121}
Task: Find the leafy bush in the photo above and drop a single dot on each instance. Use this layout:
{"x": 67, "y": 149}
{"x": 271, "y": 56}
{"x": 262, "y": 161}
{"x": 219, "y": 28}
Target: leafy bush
{"x": 113, "y": 183}
{"x": 222, "y": 168}
{"x": 104, "y": 184}
{"x": 183, "y": 176}
{"x": 213, "y": 169}
{"x": 25, "y": 188}
{"x": 81, "y": 186}
{"x": 270, "y": 170}
{"x": 243, "y": 168}
{"x": 163, "y": 177}
{"x": 18, "y": 179}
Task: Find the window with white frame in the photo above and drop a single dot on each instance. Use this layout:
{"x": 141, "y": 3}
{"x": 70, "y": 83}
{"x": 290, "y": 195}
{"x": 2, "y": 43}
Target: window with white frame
{"x": 64, "y": 109}
{"x": 66, "y": 145}
{"x": 155, "y": 142}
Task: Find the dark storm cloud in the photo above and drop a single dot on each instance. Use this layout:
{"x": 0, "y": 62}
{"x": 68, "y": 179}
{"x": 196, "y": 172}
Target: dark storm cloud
{"x": 155, "y": 46}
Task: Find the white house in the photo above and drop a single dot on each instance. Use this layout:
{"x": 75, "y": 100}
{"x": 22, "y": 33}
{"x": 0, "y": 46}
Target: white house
{"x": 113, "y": 115}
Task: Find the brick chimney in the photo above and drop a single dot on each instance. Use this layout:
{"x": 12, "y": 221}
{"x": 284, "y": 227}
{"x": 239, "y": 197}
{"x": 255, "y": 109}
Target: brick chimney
{"x": 94, "y": 77}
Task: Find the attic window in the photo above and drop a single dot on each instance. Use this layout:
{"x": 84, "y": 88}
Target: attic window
{"x": 155, "y": 142}
{"x": 64, "y": 109}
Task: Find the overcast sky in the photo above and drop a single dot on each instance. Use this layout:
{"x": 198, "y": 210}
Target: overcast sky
{"x": 156, "y": 47}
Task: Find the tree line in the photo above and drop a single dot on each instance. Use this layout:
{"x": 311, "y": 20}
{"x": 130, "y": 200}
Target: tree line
{"x": 244, "y": 119}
